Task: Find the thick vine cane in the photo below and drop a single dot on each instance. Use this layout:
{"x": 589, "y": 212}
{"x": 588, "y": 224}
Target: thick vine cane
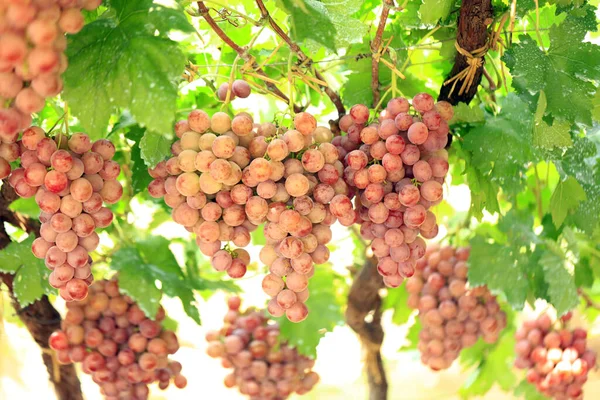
{"x": 475, "y": 61}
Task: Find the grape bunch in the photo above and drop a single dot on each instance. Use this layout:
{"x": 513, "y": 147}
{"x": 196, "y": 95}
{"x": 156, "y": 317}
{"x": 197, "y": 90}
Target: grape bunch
{"x": 32, "y": 59}
{"x": 239, "y": 88}
{"x": 264, "y": 367}
{"x": 396, "y": 166}
{"x": 122, "y": 349}
{"x": 557, "y": 360}
{"x": 70, "y": 178}
{"x": 228, "y": 176}
{"x": 452, "y": 314}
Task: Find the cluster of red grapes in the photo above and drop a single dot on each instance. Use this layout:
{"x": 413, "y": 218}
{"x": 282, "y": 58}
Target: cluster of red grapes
{"x": 239, "y": 88}
{"x": 227, "y": 176}
{"x": 70, "y": 178}
{"x": 32, "y": 45}
{"x": 397, "y": 165}
{"x": 264, "y": 368}
{"x": 557, "y": 360}
{"x": 117, "y": 345}
{"x": 453, "y": 315}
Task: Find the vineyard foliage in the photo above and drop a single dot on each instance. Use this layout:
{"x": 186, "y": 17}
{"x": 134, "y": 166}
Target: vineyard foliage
{"x": 527, "y": 146}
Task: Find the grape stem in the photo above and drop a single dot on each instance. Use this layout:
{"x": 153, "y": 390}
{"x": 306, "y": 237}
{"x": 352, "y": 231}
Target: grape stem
{"x": 375, "y": 49}
{"x": 363, "y": 315}
{"x": 302, "y": 57}
{"x": 244, "y": 55}
{"x": 588, "y": 300}
{"x": 40, "y": 317}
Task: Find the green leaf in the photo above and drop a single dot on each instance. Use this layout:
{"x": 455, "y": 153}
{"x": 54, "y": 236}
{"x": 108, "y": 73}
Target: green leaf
{"x": 566, "y": 72}
{"x": 412, "y": 337}
{"x": 584, "y": 275}
{"x": 26, "y": 207}
{"x": 528, "y": 391}
{"x": 502, "y": 147}
{"x": 309, "y": 20}
{"x": 500, "y": 268}
{"x": 396, "y": 300}
{"x": 550, "y": 136}
{"x": 325, "y": 305}
{"x": 596, "y": 104}
{"x": 126, "y": 60}
{"x": 567, "y": 196}
{"x": 433, "y": 10}
{"x": 140, "y": 178}
{"x": 142, "y": 266}
{"x": 155, "y": 147}
{"x": 562, "y": 291}
{"x": 258, "y": 236}
{"x": 348, "y": 29}
{"x": 31, "y": 275}
{"x": 465, "y": 114}
{"x": 494, "y": 368}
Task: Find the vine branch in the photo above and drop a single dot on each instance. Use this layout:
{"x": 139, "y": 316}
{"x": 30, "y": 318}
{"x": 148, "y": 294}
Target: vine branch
{"x": 244, "y": 55}
{"x": 363, "y": 315}
{"x": 473, "y": 21}
{"x": 40, "y": 318}
{"x": 588, "y": 300}
{"x": 375, "y": 48}
{"x": 302, "y": 57}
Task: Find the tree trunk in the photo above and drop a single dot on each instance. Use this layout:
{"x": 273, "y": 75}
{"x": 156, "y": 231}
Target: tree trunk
{"x": 363, "y": 315}
{"x": 473, "y": 21}
{"x": 40, "y": 318}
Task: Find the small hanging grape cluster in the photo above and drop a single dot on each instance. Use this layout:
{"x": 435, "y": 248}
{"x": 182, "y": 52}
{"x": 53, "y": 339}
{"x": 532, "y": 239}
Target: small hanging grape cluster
{"x": 453, "y": 315}
{"x": 264, "y": 367}
{"x": 32, "y": 59}
{"x": 122, "y": 349}
{"x": 70, "y": 178}
{"x": 557, "y": 360}
{"x": 228, "y": 176}
{"x": 396, "y": 165}
{"x": 239, "y": 88}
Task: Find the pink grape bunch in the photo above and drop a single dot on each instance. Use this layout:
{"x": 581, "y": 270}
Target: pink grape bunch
{"x": 264, "y": 367}
{"x": 557, "y": 360}
{"x": 122, "y": 349}
{"x": 396, "y": 166}
{"x": 70, "y": 179}
{"x": 228, "y": 176}
{"x": 32, "y": 59}
{"x": 453, "y": 315}
{"x": 239, "y": 88}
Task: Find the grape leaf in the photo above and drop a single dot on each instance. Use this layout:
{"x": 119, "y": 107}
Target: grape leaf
{"x": 26, "y": 207}
{"x": 550, "y": 136}
{"x": 139, "y": 171}
{"x": 412, "y": 337}
{"x": 125, "y": 59}
{"x": 566, "y": 72}
{"x": 433, "y": 10}
{"x": 154, "y": 147}
{"x": 582, "y": 162}
{"x": 348, "y": 29}
{"x": 567, "y": 196}
{"x": 31, "y": 275}
{"x": 596, "y": 104}
{"x": 396, "y": 300}
{"x": 141, "y": 266}
{"x": 494, "y": 368}
{"x": 309, "y": 20}
{"x": 499, "y": 267}
{"x": 465, "y": 114}
{"x": 562, "y": 291}
{"x": 502, "y": 146}
{"x": 325, "y": 305}
{"x": 584, "y": 275}
{"x": 528, "y": 391}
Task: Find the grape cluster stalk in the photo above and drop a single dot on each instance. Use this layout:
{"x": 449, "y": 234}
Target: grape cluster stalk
{"x": 32, "y": 59}
{"x": 122, "y": 349}
{"x": 229, "y": 175}
{"x": 396, "y": 166}
{"x": 71, "y": 179}
{"x": 264, "y": 367}
{"x": 557, "y": 360}
{"x": 453, "y": 315}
